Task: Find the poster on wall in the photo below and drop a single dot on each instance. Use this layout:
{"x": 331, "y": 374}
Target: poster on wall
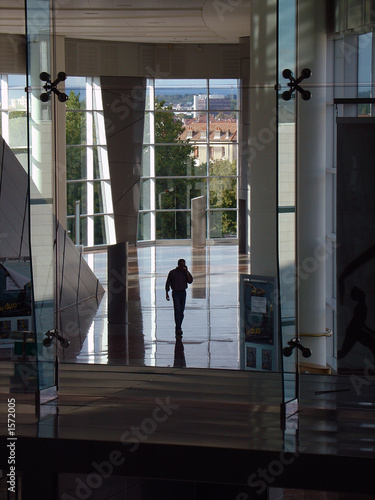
{"x": 355, "y": 252}
{"x": 15, "y": 289}
{"x": 258, "y": 324}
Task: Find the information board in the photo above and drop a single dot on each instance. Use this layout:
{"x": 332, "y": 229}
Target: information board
{"x": 258, "y": 323}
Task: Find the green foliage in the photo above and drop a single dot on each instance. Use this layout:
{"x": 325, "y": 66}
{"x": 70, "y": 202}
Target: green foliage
{"x": 173, "y": 157}
{"x": 170, "y": 160}
{"x": 223, "y": 194}
{"x": 18, "y": 129}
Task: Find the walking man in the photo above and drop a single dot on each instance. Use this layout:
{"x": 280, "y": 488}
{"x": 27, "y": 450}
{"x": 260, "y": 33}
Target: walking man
{"x": 178, "y": 279}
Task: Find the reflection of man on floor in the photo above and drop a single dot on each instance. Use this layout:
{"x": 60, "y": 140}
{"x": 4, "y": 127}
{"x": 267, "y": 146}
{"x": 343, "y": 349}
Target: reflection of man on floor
{"x": 357, "y": 330}
{"x": 178, "y": 279}
{"x": 179, "y": 354}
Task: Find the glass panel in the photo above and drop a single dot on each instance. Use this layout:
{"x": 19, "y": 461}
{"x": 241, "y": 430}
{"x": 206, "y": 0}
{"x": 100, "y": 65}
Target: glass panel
{"x": 76, "y": 163}
{"x": 223, "y": 192}
{"x": 22, "y": 156}
{"x": 144, "y": 226}
{"x": 169, "y": 127}
{"x": 223, "y": 127}
{"x": 287, "y": 148}
{"x": 99, "y": 230}
{"x": 98, "y": 136}
{"x": 71, "y": 228}
{"x": 149, "y": 94}
{"x": 75, "y": 87}
{"x": 76, "y": 191}
{"x": 173, "y": 225}
{"x": 146, "y": 161}
{"x": 75, "y": 127}
{"x": 42, "y": 173}
{"x": 175, "y": 160}
{"x": 147, "y": 128}
{"x": 97, "y": 174}
{"x": 98, "y": 197}
{"x": 180, "y": 94}
{"x": 223, "y": 95}
{"x": 83, "y": 226}
{"x": 364, "y": 72}
{"x": 223, "y": 224}
{"x": 355, "y": 13}
{"x": 18, "y": 129}
{"x": 145, "y": 201}
{"x": 16, "y": 90}
{"x": 286, "y": 195}
{"x": 227, "y": 163}
{"x": 200, "y": 155}
{"x": 178, "y": 193}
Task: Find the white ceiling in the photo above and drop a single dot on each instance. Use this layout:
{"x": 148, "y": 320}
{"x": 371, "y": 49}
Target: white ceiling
{"x": 148, "y": 21}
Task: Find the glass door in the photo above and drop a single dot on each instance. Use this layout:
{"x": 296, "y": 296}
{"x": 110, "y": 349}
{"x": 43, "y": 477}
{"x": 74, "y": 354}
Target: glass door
{"x": 286, "y": 106}
{"x": 41, "y": 188}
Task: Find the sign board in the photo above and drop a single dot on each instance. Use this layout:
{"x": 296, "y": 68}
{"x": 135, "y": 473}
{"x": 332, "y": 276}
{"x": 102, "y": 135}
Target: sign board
{"x": 258, "y": 323}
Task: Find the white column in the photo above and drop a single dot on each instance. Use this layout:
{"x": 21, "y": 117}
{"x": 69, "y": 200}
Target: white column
{"x": 41, "y": 174}
{"x": 311, "y": 175}
{"x": 60, "y": 143}
{"x": 263, "y": 138}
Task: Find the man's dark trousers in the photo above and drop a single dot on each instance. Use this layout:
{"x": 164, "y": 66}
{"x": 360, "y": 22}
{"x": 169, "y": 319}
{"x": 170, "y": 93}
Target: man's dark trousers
{"x": 179, "y": 300}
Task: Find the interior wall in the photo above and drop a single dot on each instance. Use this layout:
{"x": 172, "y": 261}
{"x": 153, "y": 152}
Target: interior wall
{"x": 12, "y": 54}
{"x": 263, "y": 138}
{"x": 98, "y": 58}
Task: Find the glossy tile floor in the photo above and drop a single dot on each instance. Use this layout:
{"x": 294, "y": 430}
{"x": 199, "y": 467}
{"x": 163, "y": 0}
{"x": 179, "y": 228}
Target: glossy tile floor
{"x": 211, "y": 324}
{"x": 223, "y": 424}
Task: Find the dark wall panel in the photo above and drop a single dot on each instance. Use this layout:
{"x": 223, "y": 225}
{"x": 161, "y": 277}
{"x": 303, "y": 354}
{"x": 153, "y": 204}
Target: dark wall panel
{"x": 356, "y": 243}
{"x": 124, "y": 106}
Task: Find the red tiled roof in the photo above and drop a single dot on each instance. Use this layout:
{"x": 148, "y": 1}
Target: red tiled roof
{"x": 195, "y": 131}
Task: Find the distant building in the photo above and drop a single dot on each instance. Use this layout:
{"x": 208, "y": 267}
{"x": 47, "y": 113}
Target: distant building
{"x": 216, "y": 102}
{"x": 221, "y": 139}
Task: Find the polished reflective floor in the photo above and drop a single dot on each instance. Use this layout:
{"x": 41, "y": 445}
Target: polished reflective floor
{"x": 211, "y": 324}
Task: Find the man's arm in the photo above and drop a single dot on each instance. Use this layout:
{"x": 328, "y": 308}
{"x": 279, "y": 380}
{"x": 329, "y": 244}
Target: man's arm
{"x": 189, "y": 277}
{"x": 167, "y": 286}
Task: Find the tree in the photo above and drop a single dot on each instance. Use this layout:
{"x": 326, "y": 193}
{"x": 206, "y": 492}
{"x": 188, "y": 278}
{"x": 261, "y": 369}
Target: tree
{"x": 173, "y": 158}
{"x": 75, "y": 155}
{"x": 223, "y": 194}
{"x": 170, "y": 160}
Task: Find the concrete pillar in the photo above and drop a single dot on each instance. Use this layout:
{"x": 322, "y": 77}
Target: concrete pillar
{"x": 311, "y": 174}
{"x": 60, "y": 128}
{"x": 118, "y": 338}
{"x": 244, "y": 145}
{"x": 198, "y": 222}
{"x": 263, "y": 138}
{"x": 118, "y": 284}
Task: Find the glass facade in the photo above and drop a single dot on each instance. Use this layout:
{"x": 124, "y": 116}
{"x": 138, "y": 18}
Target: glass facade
{"x": 190, "y": 150}
{"x": 87, "y": 169}
{"x": 13, "y": 115}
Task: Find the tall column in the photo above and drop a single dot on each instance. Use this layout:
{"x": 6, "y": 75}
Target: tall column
{"x": 311, "y": 175}
{"x": 263, "y": 138}
{"x": 198, "y": 222}
{"x": 60, "y": 142}
{"x": 244, "y": 146}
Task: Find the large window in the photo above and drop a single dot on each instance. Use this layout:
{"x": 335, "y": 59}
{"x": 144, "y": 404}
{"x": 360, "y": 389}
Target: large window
{"x": 13, "y": 115}
{"x": 190, "y": 150}
{"x": 88, "y": 184}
